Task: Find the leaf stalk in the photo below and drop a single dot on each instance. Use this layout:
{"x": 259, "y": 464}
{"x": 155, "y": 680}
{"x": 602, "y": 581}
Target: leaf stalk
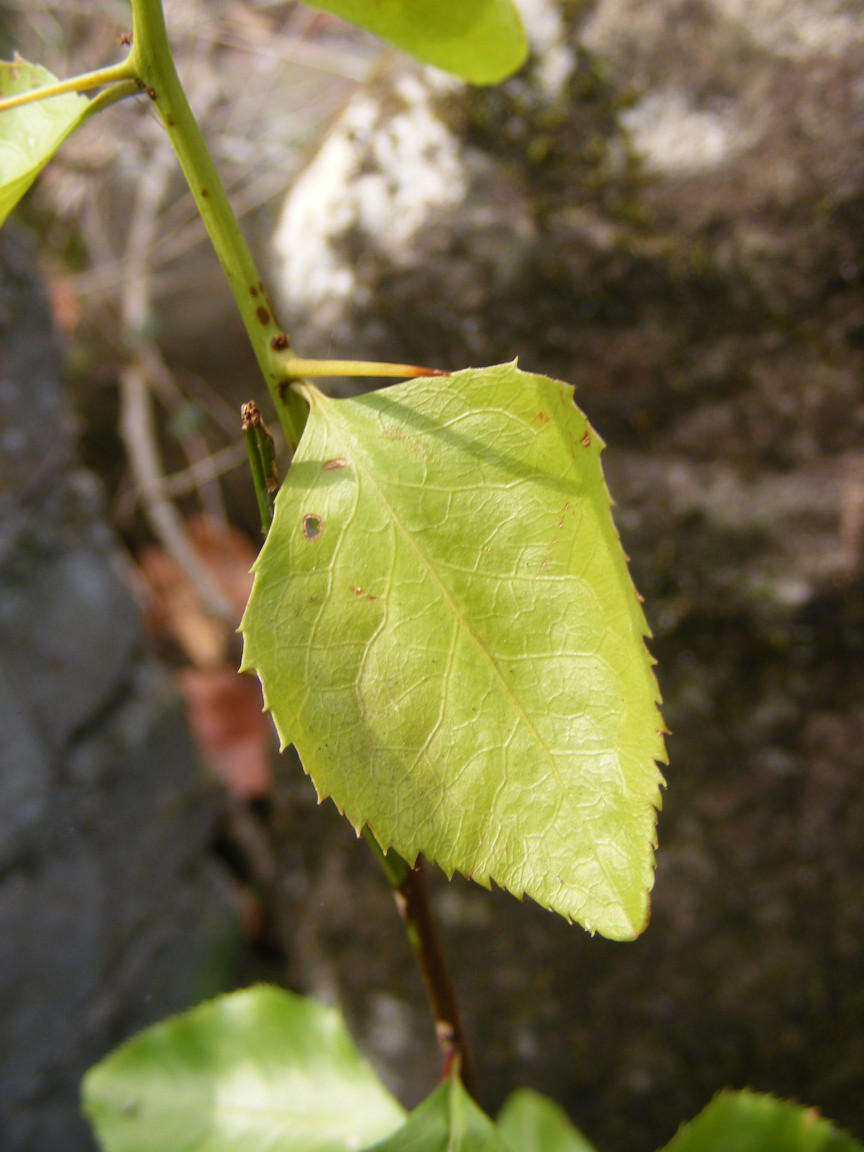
{"x": 300, "y": 369}
{"x": 86, "y": 82}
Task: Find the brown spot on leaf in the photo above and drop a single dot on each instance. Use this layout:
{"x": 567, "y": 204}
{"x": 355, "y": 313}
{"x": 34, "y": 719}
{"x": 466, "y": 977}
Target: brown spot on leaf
{"x": 586, "y": 438}
{"x": 335, "y": 464}
{"x": 543, "y": 418}
{"x": 280, "y": 341}
{"x": 312, "y": 526}
{"x": 263, "y": 315}
{"x": 253, "y": 291}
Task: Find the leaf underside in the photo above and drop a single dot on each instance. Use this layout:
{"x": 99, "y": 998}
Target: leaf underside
{"x": 752, "y": 1122}
{"x": 31, "y": 134}
{"x": 444, "y": 626}
{"x": 483, "y": 41}
{"x": 258, "y": 1069}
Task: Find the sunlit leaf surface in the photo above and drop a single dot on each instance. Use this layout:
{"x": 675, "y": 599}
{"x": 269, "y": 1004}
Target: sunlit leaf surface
{"x": 31, "y": 134}
{"x": 445, "y": 627}
{"x": 480, "y": 40}
{"x": 749, "y": 1122}
{"x": 260, "y": 1069}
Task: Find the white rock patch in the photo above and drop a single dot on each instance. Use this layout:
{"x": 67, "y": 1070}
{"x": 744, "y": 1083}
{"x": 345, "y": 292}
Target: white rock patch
{"x": 787, "y": 28}
{"x": 547, "y": 33}
{"x": 676, "y": 138}
{"x": 797, "y": 28}
{"x": 385, "y": 175}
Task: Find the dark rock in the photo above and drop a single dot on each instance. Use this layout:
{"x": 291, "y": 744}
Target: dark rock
{"x": 111, "y": 912}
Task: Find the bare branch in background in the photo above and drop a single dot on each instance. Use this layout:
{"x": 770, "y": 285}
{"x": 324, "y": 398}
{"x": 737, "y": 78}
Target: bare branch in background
{"x": 136, "y": 408}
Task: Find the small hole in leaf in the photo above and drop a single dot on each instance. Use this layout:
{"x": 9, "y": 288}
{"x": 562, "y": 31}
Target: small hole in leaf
{"x": 312, "y": 525}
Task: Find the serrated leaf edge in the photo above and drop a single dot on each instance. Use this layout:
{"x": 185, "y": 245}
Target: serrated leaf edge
{"x": 488, "y": 881}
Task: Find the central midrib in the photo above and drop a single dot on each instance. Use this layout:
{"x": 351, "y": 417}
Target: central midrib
{"x": 326, "y": 410}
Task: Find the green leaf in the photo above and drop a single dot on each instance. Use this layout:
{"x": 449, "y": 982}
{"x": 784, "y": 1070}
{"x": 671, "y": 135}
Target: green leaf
{"x": 259, "y": 1069}
{"x": 31, "y": 134}
{"x": 749, "y": 1122}
{"x": 444, "y": 626}
{"x": 529, "y": 1122}
{"x": 480, "y": 40}
{"x": 446, "y": 1121}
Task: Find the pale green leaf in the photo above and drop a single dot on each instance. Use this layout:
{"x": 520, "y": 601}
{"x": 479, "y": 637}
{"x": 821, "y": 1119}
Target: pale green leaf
{"x": 446, "y": 1121}
{"x": 530, "y": 1122}
{"x": 749, "y": 1122}
{"x": 444, "y": 626}
{"x": 258, "y": 1071}
{"x": 480, "y": 40}
{"x": 31, "y": 134}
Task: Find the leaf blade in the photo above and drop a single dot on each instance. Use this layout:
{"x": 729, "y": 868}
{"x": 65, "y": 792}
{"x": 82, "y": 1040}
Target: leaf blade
{"x": 262, "y": 1068}
{"x": 531, "y": 1122}
{"x": 482, "y": 41}
{"x": 458, "y": 653}
{"x": 32, "y": 133}
{"x": 753, "y": 1122}
{"x": 448, "y": 1120}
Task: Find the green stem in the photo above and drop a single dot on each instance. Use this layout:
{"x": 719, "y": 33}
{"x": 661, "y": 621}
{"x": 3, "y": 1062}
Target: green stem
{"x": 111, "y": 96}
{"x": 154, "y": 66}
{"x": 299, "y": 369}
{"x": 83, "y": 83}
{"x": 262, "y": 461}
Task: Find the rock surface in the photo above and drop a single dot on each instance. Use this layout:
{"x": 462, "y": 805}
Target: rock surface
{"x": 665, "y": 209}
{"x": 111, "y": 912}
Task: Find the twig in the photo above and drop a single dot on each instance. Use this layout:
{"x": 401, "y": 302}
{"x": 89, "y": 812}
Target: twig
{"x": 139, "y": 436}
{"x": 186, "y": 480}
{"x": 136, "y": 410}
{"x": 193, "y": 443}
{"x": 412, "y": 901}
